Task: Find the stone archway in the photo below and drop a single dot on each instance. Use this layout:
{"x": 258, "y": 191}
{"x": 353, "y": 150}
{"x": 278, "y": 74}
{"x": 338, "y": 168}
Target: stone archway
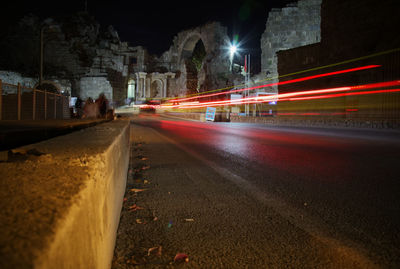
{"x": 215, "y": 64}
{"x": 156, "y": 89}
{"x": 193, "y": 62}
{"x": 188, "y": 80}
{"x": 189, "y": 44}
{"x": 131, "y": 89}
{"x": 49, "y": 86}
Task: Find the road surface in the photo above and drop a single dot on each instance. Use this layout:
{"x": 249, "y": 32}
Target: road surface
{"x": 234, "y": 195}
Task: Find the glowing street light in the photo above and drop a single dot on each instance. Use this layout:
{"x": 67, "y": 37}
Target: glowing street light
{"x": 232, "y": 47}
{"x": 233, "y": 50}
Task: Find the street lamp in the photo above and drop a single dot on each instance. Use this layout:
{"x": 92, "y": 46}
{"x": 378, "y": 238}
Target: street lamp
{"x": 232, "y": 51}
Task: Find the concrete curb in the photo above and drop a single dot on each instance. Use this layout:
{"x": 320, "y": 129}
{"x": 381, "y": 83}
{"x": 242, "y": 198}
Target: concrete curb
{"x": 62, "y": 199}
{"x": 393, "y": 124}
{"x": 340, "y": 123}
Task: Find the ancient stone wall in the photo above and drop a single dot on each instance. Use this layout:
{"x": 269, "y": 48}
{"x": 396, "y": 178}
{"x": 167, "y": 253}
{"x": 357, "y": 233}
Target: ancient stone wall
{"x": 64, "y": 85}
{"x": 93, "y": 86}
{"x": 214, "y": 72}
{"x": 15, "y": 78}
{"x": 353, "y": 34}
{"x": 75, "y": 49}
{"x": 98, "y": 67}
{"x": 296, "y": 25}
{"x": 350, "y": 30}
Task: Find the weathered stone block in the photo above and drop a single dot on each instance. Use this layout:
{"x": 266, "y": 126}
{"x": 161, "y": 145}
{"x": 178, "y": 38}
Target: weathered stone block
{"x": 94, "y": 86}
{"x": 287, "y": 28}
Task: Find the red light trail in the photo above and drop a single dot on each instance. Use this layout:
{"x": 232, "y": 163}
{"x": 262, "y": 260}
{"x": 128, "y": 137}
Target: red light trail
{"x": 279, "y": 83}
{"x": 340, "y": 95}
{"x": 298, "y": 96}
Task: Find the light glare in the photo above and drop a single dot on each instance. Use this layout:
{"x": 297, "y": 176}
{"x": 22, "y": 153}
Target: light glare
{"x": 233, "y": 49}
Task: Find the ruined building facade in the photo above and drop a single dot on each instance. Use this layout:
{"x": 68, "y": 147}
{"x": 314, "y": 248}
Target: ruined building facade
{"x": 295, "y": 25}
{"x": 354, "y": 34}
{"x": 92, "y": 60}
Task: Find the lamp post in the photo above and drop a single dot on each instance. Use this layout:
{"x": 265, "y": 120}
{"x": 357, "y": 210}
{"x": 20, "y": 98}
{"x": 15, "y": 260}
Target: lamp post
{"x": 42, "y": 29}
{"x": 232, "y": 51}
{"x": 41, "y": 56}
{"x": 247, "y": 80}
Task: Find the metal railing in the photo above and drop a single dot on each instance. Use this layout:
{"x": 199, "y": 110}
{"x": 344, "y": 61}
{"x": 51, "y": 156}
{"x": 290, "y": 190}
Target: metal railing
{"x": 18, "y": 102}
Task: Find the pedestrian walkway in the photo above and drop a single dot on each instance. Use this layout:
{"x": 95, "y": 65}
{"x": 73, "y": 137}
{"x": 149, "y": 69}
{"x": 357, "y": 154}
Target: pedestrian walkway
{"x": 14, "y": 133}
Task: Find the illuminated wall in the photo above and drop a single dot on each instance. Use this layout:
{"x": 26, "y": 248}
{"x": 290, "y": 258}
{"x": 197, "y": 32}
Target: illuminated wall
{"x": 353, "y": 33}
{"x": 295, "y": 25}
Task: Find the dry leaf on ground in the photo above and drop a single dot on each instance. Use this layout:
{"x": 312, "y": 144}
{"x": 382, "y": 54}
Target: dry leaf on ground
{"x": 153, "y": 251}
{"x": 137, "y": 190}
{"x": 154, "y": 216}
{"x": 181, "y": 257}
{"x": 134, "y": 207}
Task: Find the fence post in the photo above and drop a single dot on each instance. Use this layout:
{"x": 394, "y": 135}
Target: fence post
{"x": 19, "y": 101}
{"x": 45, "y": 104}
{"x": 1, "y": 99}
{"x": 34, "y": 104}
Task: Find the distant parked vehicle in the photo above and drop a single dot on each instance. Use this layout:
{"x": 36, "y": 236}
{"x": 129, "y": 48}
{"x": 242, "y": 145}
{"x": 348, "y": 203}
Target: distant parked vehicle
{"x": 150, "y": 106}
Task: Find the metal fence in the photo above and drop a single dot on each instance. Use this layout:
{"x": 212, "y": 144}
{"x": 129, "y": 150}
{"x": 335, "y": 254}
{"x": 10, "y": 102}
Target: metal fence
{"x": 18, "y": 102}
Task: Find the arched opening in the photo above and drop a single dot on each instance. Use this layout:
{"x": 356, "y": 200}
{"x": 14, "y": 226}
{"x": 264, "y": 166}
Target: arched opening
{"x": 48, "y": 86}
{"x": 194, "y": 64}
{"x": 131, "y": 90}
{"x": 156, "y": 89}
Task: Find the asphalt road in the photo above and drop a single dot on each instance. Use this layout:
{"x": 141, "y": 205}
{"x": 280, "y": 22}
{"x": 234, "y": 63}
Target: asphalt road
{"x": 233, "y": 195}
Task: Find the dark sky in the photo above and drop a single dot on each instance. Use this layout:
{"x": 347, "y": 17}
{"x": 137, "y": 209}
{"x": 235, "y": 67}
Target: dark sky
{"x": 153, "y": 25}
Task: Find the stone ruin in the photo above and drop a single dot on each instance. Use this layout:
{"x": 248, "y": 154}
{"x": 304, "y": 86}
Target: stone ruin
{"x": 92, "y": 60}
{"x": 212, "y": 70}
{"x": 297, "y": 24}
{"x": 74, "y": 49}
{"x": 196, "y": 61}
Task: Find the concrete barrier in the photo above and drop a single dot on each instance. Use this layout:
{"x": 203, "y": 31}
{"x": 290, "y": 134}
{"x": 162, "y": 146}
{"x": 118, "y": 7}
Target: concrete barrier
{"x": 199, "y": 116}
{"x": 61, "y": 199}
{"x": 183, "y": 115}
{"x": 362, "y": 123}
{"x": 321, "y": 122}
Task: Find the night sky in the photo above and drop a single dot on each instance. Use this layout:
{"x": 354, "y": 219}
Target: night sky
{"x": 153, "y": 25}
